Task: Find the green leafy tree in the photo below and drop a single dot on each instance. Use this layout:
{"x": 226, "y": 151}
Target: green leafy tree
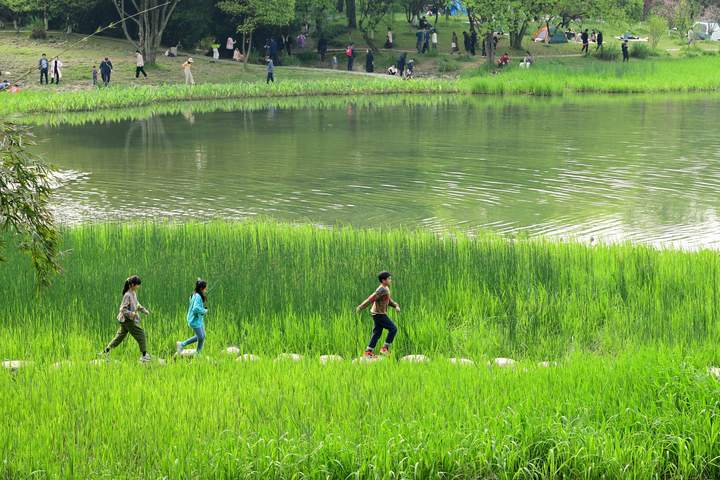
{"x": 315, "y": 12}
{"x": 25, "y": 186}
{"x": 371, "y": 13}
{"x": 657, "y": 29}
{"x": 412, "y": 9}
{"x": 487, "y": 17}
{"x": 17, "y": 9}
{"x": 251, "y": 14}
{"x": 150, "y": 18}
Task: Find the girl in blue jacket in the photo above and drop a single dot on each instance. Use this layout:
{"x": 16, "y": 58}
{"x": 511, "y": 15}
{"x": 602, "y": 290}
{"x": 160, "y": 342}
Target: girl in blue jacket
{"x": 196, "y": 317}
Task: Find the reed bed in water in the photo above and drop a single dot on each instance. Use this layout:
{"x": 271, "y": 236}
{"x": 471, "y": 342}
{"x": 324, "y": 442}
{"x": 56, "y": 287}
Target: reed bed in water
{"x": 632, "y": 330}
{"x": 128, "y": 97}
{"x": 282, "y": 288}
{"x": 549, "y": 78}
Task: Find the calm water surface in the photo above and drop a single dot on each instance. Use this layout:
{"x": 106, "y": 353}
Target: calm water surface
{"x": 646, "y": 171}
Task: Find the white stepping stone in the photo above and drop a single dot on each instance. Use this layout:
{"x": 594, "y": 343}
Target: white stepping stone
{"x": 714, "y": 372}
{"x": 232, "y": 350}
{"x": 368, "y": 359}
{"x": 247, "y": 357}
{"x": 415, "y": 359}
{"x": 187, "y": 352}
{"x": 461, "y": 361}
{"x": 15, "y": 365}
{"x": 61, "y": 364}
{"x": 547, "y": 364}
{"x": 324, "y": 359}
{"x": 503, "y": 362}
{"x": 293, "y": 357}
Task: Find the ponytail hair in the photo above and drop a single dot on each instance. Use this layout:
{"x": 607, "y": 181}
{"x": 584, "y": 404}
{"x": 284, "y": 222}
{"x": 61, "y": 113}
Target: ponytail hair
{"x": 201, "y": 284}
{"x": 131, "y": 282}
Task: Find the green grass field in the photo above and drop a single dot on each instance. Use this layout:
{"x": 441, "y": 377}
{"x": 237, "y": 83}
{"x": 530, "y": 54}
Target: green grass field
{"x": 632, "y": 330}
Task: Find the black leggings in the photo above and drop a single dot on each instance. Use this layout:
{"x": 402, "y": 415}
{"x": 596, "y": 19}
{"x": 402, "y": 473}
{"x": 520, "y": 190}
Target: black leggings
{"x": 139, "y": 70}
{"x": 44, "y": 74}
{"x": 382, "y": 322}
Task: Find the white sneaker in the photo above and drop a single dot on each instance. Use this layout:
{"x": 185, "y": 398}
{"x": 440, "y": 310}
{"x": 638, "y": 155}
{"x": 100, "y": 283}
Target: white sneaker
{"x": 178, "y": 347}
{"x": 145, "y": 358}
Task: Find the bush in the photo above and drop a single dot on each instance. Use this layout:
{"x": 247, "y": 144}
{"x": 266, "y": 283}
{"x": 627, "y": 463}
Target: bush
{"x": 336, "y": 35}
{"x": 609, "y": 53}
{"x": 446, "y": 65}
{"x": 307, "y": 56}
{"x": 641, "y": 50}
{"x": 37, "y": 29}
{"x": 691, "y": 51}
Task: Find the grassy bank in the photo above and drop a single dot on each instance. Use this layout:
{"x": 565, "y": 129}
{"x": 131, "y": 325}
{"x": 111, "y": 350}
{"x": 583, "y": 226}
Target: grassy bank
{"x": 579, "y": 76}
{"x": 34, "y": 102}
{"x": 632, "y": 330}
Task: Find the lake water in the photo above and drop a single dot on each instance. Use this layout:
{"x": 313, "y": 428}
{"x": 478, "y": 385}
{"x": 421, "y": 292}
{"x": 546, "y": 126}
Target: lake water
{"x": 640, "y": 170}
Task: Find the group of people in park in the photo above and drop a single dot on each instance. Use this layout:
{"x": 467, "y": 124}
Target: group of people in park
{"x": 54, "y": 69}
{"x": 130, "y": 315}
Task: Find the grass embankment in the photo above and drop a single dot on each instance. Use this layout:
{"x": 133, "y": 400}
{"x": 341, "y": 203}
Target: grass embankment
{"x": 646, "y": 410}
{"x": 578, "y": 76}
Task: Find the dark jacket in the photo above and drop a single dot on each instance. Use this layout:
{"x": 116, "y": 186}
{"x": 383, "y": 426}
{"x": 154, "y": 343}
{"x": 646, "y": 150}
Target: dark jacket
{"x": 106, "y": 67}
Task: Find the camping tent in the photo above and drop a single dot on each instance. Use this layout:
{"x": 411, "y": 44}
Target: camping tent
{"x": 556, "y": 36}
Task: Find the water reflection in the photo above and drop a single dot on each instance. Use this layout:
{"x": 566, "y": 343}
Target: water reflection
{"x": 639, "y": 171}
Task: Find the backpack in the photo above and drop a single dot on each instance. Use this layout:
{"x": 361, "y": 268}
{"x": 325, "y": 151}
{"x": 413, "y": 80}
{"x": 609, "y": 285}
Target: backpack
{"x": 349, "y": 52}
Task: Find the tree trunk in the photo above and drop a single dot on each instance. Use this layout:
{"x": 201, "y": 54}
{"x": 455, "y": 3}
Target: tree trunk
{"x": 516, "y": 38}
{"x": 151, "y": 17}
{"x": 490, "y": 48}
{"x": 249, "y": 48}
{"x": 45, "y": 19}
{"x": 340, "y": 6}
{"x": 351, "y": 13}
{"x": 369, "y": 40}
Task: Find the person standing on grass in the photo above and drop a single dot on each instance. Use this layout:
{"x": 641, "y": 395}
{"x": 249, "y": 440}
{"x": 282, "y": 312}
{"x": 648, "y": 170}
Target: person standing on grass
{"x": 56, "y": 71}
{"x": 322, "y": 48}
{"x": 196, "y": 315}
{"x": 380, "y": 299}
{"x": 215, "y": 50}
{"x": 43, "y": 66}
{"x": 139, "y": 64}
{"x": 270, "y": 71}
{"x": 466, "y": 42}
{"x": 129, "y": 318}
{"x": 434, "y": 40}
{"x": 389, "y": 38}
{"x": 401, "y": 64}
{"x": 454, "y": 44}
{"x": 625, "y": 51}
{"x": 585, "y": 41}
{"x": 599, "y": 41}
{"x": 369, "y": 61}
{"x": 94, "y": 76}
{"x": 350, "y": 54}
{"x": 106, "y": 67}
{"x": 187, "y": 69}
{"x": 426, "y": 41}
{"x": 419, "y": 35}
{"x": 473, "y": 42}
{"x": 230, "y": 47}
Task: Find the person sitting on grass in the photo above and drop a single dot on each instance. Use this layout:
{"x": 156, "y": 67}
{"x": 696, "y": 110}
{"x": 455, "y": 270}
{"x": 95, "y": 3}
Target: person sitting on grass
{"x": 392, "y": 70}
{"x": 504, "y": 60}
{"x": 380, "y": 300}
{"x": 4, "y": 85}
{"x": 129, "y": 319}
{"x": 196, "y": 317}
{"x": 410, "y": 70}
{"x": 528, "y": 60}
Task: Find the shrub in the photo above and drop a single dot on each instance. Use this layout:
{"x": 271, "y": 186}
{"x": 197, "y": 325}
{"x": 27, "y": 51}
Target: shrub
{"x": 657, "y": 28}
{"x": 691, "y": 51}
{"x": 641, "y": 50}
{"x": 446, "y": 65}
{"x": 608, "y": 53}
{"x": 37, "y": 29}
{"x": 307, "y": 56}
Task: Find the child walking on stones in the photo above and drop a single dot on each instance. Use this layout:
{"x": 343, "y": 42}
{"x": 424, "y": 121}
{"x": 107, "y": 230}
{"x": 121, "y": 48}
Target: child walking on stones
{"x": 380, "y": 299}
{"x": 196, "y": 317}
{"x": 129, "y": 318}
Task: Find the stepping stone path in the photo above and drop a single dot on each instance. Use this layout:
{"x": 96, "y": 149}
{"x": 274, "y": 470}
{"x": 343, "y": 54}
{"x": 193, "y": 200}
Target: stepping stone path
{"x": 188, "y": 352}
{"x": 247, "y": 357}
{"x": 714, "y": 372}
{"x": 295, "y": 357}
{"x": 15, "y": 365}
{"x": 503, "y": 362}
{"x": 415, "y": 359}
{"x": 61, "y": 364}
{"x": 461, "y": 361}
{"x": 232, "y": 350}
{"x": 547, "y": 364}
{"x": 325, "y": 359}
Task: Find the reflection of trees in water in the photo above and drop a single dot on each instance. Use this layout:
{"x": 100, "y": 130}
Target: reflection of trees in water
{"x": 147, "y": 136}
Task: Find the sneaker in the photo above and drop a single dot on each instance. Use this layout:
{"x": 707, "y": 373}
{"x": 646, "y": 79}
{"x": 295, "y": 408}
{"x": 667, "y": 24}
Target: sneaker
{"x": 104, "y": 356}
{"x": 369, "y": 354}
{"x": 384, "y": 351}
{"x": 145, "y": 358}
{"x": 178, "y": 347}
